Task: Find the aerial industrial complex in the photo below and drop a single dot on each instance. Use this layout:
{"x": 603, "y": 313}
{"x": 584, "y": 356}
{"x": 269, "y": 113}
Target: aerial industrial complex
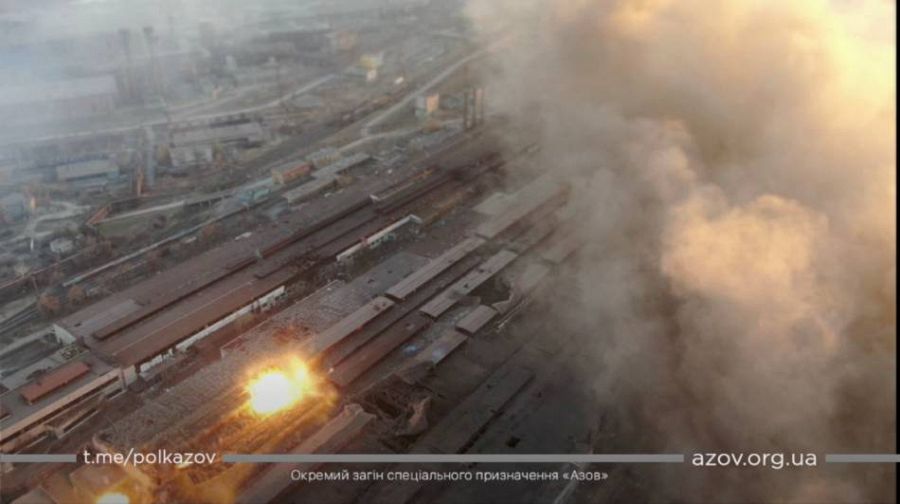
{"x": 447, "y": 252}
{"x": 329, "y": 258}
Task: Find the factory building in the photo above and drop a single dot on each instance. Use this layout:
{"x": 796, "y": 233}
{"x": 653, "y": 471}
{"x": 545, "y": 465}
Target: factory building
{"x": 152, "y": 321}
{"x": 133, "y": 332}
{"x": 342, "y": 164}
{"x": 147, "y": 324}
{"x": 324, "y": 157}
{"x": 284, "y": 175}
{"x": 54, "y": 403}
{"x": 197, "y": 145}
{"x": 326, "y": 176}
{"x": 353, "y": 326}
{"x": 87, "y": 172}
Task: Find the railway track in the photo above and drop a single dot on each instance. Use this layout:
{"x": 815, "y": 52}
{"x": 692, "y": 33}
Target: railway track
{"x": 19, "y": 320}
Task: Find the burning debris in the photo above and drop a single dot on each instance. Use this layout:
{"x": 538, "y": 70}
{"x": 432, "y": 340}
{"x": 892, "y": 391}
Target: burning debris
{"x": 278, "y": 388}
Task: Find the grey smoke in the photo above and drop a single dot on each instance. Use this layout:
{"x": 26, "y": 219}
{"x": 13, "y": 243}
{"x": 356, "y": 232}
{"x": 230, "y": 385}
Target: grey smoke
{"x": 738, "y": 185}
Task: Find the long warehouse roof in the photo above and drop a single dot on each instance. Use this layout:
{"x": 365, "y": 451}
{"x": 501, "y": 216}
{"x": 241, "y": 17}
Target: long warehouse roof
{"x": 526, "y": 200}
{"x": 434, "y": 268}
{"x": 347, "y": 326}
{"x": 137, "y": 323}
{"x": 145, "y": 340}
{"x": 446, "y": 299}
{"x": 55, "y": 379}
{"x": 27, "y": 403}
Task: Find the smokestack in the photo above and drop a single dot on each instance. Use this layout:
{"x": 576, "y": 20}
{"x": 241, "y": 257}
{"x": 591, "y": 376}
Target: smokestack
{"x": 128, "y": 77}
{"x": 155, "y": 70}
{"x": 473, "y": 107}
{"x": 150, "y": 156}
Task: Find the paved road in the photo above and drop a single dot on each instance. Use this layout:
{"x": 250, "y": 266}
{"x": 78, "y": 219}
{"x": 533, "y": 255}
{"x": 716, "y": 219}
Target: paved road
{"x": 274, "y": 103}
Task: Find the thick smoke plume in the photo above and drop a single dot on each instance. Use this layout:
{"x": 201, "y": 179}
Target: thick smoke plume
{"x": 736, "y": 166}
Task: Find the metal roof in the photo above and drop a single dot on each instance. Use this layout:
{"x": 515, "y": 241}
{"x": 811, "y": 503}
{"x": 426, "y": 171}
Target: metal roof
{"x": 440, "y": 348}
{"x": 347, "y": 326}
{"x": 170, "y": 326}
{"x": 446, "y": 299}
{"x": 281, "y": 335}
{"x": 324, "y": 178}
{"x": 476, "y": 319}
{"x": 185, "y": 298}
{"x": 339, "y": 166}
{"x": 525, "y": 201}
{"x": 107, "y": 317}
{"x": 53, "y": 380}
{"x": 210, "y": 134}
{"x": 54, "y": 388}
{"x": 309, "y": 189}
{"x": 434, "y": 268}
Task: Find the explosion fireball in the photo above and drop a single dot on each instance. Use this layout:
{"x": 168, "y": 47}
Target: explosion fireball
{"x": 278, "y": 388}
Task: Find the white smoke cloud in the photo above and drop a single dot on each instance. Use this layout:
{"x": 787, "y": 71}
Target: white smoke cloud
{"x": 740, "y": 197}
